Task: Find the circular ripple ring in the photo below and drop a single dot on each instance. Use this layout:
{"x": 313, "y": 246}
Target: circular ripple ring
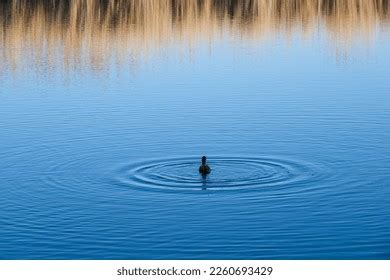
{"x": 228, "y": 173}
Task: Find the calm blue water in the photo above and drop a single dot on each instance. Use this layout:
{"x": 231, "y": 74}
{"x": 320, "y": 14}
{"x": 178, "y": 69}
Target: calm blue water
{"x": 103, "y": 164}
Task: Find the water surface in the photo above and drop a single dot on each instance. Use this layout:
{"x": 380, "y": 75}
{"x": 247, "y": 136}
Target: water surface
{"x": 107, "y": 106}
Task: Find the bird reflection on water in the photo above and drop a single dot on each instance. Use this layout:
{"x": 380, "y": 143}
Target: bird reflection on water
{"x": 204, "y": 182}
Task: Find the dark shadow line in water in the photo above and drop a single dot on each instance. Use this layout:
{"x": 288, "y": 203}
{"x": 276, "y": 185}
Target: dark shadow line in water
{"x": 204, "y": 182}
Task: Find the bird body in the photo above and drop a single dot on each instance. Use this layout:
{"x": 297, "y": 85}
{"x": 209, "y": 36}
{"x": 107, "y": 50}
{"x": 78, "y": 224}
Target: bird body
{"x": 204, "y": 169}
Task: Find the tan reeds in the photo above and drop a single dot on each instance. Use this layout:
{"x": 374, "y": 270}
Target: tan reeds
{"x": 94, "y": 34}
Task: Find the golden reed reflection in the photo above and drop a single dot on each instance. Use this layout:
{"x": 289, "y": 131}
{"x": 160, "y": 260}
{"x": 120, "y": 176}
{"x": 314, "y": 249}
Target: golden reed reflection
{"x": 95, "y": 34}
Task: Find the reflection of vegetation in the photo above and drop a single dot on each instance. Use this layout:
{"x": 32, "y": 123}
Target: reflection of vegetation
{"x": 90, "y": 32}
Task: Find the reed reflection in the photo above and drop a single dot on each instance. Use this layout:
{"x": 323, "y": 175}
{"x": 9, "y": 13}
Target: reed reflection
{"x": 94, "y": 34}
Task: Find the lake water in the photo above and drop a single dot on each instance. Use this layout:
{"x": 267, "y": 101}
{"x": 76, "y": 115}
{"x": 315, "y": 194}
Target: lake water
{"x": 107, "y": 107}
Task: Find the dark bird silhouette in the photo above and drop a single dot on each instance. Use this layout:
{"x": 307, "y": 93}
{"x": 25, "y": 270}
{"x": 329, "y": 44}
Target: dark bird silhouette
{"x": 204, "y": 169}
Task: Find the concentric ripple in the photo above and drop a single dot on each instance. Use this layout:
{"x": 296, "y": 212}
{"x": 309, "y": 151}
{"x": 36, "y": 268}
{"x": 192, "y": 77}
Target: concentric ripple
{"x": 228, "y": 173}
